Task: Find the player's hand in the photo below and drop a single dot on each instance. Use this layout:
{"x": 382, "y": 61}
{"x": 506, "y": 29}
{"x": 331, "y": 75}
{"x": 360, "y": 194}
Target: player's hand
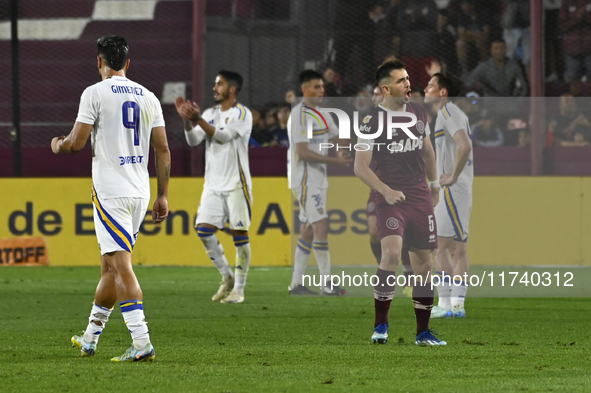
{"x": 433, "y": 68}
{"x": 446, "y": 180}
{"x": 160, "y": 209}
{"x": 393, "y": 197}
{"x": 55, "y": 144}
{"x": 187, "y": 110}
{"x": 435, "y": 195}
{"x": 343, "y": 160}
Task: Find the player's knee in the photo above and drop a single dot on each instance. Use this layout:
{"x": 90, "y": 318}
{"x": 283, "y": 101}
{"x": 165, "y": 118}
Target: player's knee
{"x": 205, "y": 233}
{"x": 390, "y": 258}
{"x": 459, "y": 250}
{"x": 320, "y": 232}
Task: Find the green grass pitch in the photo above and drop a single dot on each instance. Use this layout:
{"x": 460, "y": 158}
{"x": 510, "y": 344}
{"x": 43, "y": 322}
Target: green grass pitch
{"x": 275, "y": 343}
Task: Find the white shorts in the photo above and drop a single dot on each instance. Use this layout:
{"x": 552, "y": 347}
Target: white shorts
{"x": 117, "y": 222}
{"x": 312, "y": 202}
{"x": 453, "y": 213}
{"x": 220, "y": 207}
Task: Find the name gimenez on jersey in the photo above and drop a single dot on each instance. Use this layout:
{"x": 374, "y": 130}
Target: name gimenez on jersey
{"x": 402, "y": 146}
{"x": 127, "y": 90}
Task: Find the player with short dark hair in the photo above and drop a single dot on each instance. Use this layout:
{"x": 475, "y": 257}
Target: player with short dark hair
{"x": 306, "y": 173}
{"x": 227, "y": 192}
{"x": 123, "y": 119}
{"x": 233, "y": 79}
{"x": 404, "y": 203}
{"x": 456, "y": 174}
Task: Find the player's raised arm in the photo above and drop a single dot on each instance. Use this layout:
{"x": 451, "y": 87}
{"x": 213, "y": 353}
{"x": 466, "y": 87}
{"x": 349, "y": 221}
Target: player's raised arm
{"x": 236, "y": 127}
{"x": 190, "y": 115}
{"x": 162, "y": 162}
{"x": 74, "y": 142}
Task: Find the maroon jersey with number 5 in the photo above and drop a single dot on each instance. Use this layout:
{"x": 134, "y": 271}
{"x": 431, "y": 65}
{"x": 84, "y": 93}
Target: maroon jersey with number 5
{"x": 399, "y": 161}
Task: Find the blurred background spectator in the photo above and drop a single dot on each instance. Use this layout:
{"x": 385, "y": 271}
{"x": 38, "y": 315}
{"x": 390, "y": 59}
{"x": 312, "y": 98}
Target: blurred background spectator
{"x": 516, "y": 31}
{"x": 568, "y": 122}
{"x": 575, "y": 24}
{"x": 473, "y": 35}
{"x": 278, "y": 132}
{"x": 259, "y": 136}
{"x": 498, "y": 76}
{"x": 446, "y": 40}
{"x": 552, "y": 48}
{"x": 524, "y": 138}
{"x": 417, "y": 24}
{"x": 485, "y": 133}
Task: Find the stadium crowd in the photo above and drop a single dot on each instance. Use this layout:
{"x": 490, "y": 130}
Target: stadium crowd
{"x": 485, "y": 43}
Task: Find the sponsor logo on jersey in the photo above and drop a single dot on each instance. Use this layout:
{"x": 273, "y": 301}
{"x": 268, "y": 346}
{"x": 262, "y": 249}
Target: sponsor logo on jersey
{"x": 405, "y": 145}
{"x": 371, "y": 206}
{"x": 320, "y": 210}
{"x": 130, "y": 160}
{"x": 364, "y": 128}
{"x": 367, "y": 118}
{"x": 392, "y": 223}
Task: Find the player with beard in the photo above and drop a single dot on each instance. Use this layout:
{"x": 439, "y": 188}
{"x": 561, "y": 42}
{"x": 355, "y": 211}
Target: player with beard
{"x": 227, "y": 192}
{"x": 404, "y": 202}
{"x": 374, "y": 239}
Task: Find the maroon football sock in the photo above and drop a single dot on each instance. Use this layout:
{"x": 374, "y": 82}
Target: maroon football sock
{"x": 383, "y": 294}
{"x": 422, "y": 298}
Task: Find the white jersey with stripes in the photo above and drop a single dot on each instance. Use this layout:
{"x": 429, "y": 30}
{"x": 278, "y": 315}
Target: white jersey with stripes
{"x": 123, "y": 114}
{"x": 302, "y": 173}
{"x": 451, "y": 119}
{"x": 226, "y": 164}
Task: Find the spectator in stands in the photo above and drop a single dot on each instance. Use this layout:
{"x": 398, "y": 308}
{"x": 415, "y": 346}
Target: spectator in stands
{"x": 279, "y": 131}
{"x": 569, "y": 121}
{"x": 516, "y": 31}
{"x": 524, "y": 138}
{"x": 446, "y": 42}
{"x": 417, "y": 23}
{"x": 580, "y": 137}
{"x": 290, "y": 96}
{"x": 575, "y": 24}
{"x": 473, "y": 35}
{"x": 259, "y": 136}
{"x": 363, "y": 103}
{"x": 552, "y": 47}
{"x": 417, "y": 95}
{"x": 486, "y": 133}
{"x": 354, "y": 29}
{"x": 333, "y": 85}
{"x": 271, "y": 115}
{"x": 514, "y": 130}
{"x": 392, "y": 9}
{"x": 498, "y": 76}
